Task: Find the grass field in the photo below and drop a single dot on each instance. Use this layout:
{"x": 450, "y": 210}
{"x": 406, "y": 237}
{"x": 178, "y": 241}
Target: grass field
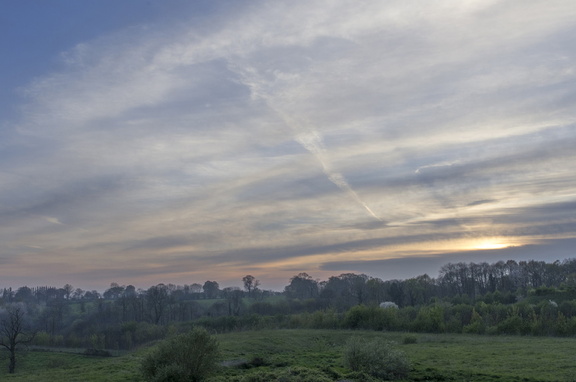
{"x": 433, "y": 357}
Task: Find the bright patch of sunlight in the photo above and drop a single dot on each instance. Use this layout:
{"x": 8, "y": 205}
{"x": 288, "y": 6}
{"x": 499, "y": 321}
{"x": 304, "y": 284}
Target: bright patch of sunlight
{"x": 490, "y": 244}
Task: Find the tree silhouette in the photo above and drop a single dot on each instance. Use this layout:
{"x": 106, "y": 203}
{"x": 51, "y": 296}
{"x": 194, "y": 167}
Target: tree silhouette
{"x": 211, "y": 289}
{"x": 250, "y": 284}
{"x": 12, "y": 334}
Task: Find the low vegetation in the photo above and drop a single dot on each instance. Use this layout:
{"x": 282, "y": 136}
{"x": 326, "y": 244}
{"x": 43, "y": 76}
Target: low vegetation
{"x": 319, "y": 355}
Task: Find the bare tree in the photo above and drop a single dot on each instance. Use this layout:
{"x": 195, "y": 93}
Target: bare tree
{"x": 250, "y": 284}
{"x": 233, "y": 297}
{"x": 157, "y": 299}
{"x": 68, "y": 289}
{"x": 12, "y": 334}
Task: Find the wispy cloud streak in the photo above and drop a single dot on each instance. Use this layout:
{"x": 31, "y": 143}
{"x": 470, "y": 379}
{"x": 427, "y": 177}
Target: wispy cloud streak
{"x": 308, "y": 136}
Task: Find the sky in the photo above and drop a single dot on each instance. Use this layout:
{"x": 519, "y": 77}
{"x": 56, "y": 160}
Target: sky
{"x": 146, "y": 142}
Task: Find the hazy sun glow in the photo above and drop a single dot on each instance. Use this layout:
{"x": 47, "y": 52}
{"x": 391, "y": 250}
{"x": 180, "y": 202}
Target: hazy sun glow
{"x": 490, "y": 244}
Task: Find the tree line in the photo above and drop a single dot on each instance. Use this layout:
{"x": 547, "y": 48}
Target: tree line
{"x": 345, "y": 290}
{"x": 532, "y": 297}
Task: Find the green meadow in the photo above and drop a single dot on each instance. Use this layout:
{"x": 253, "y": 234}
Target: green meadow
{"x": 317, "y": 355}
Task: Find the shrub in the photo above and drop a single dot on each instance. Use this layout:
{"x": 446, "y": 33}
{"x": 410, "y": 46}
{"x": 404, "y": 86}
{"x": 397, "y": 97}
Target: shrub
{"x": 370, "y": 317}
{"x": 410, "y": 339}
{"x": 376, "y": 358}
{"x": 256, "y": 361}
{"x": 189, "y": 357}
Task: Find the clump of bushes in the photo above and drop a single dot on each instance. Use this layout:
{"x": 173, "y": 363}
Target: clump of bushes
{"x": 189, "y": 357}
{"x": 376, "y": 358}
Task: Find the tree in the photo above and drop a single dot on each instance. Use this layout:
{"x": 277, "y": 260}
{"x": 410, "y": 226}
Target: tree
{"x": 78, "y": 293}
{"x": 188, "y": 357}
{"x": 233, "y": 297}
{"x": 129, "y": 291}
{"x": 24, "y": 294}
{"x": 53, "y": 315}
{"x": 211, "y": 289}
{"x": 92, "y": 295}
{"x": 68, "y": 289}
{"x": 12, "y": 334}
{"x": 250, "y": 284}
{"x": 418, "y": 290}
{"x": 157, "y": 301}
{"x": 347, "y": 290}
{"x": 196, "y": 288}
{"x": 302, "y": 286}
{"x": 375, "y": 289}
{"x": 114, "y": 292}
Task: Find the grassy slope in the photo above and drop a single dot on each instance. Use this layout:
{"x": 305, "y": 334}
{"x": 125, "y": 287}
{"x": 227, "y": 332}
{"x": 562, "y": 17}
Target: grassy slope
{"x": 434, "y": 357}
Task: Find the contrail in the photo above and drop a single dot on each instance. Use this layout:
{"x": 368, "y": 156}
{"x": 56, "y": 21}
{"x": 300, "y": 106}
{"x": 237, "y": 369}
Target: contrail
{"x": 313, "y": 143}
{"x": 308, "y": 137}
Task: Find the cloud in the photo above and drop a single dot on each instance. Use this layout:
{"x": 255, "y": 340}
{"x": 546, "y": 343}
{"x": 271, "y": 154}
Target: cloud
{"x": 480, "y": 202}
{"x": 268, "y": 134}
{"x": 412, "y": 266}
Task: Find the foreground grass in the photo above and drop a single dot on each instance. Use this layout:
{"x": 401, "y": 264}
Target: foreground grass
{"x": 443, "y": 357}
{"x": 69, "y": 367}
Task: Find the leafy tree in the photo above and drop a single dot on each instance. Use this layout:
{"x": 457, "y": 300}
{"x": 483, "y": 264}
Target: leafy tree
{"x": 348, "y": 289}
{"x": 375, "y": 289}
{"x": 114, "y": 292}
{"x": 24, "y": 294}
{"x": 396, "y": 291}
{"x": 13, "y": 334}
{"x": 418, "y": 290}
{"x": 195, "y": 288}
{"x": 211, "y": 289}
{"x": 302, "y": 286}
{"x": 129, "y": 291}
{"x": 189, "y": 357}
{"x": 92, "y": 295}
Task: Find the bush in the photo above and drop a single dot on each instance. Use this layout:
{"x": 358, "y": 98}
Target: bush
{"x": 376, "y": 358}
{"x": 410, "y": 339}
{"x": 370, "y": 317}
{"x": 189, "y": 357}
